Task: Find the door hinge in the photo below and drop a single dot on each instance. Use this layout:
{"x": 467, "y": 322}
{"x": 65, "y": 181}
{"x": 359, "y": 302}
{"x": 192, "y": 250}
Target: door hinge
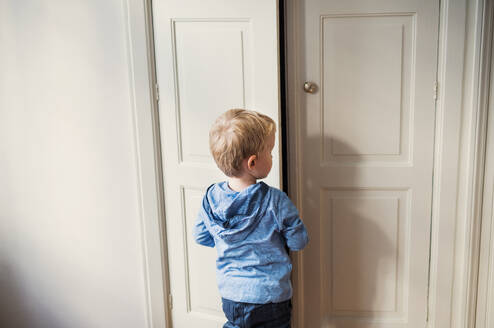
{"x": 170, "y": 301}
{"x": 436, "y": 87}
{"x": 157, "y": 91}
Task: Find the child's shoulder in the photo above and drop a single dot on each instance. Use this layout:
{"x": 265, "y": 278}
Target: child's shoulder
{"x": 276, "y": 194}
{"x": 272, "y": 189}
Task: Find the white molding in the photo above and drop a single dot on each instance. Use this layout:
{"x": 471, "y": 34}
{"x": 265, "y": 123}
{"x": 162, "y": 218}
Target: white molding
{"x": 140, "y": 56}
{"x": 484, "y": 298}
{"x": 471, "y": 160}
{"x": 458, "y": 167}
{"x": 481, "y": 93}
{"x": 446, "y": 159}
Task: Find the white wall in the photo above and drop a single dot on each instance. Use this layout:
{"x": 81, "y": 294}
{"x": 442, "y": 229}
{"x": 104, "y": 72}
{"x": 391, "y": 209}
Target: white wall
{"x": 70, "y": 234}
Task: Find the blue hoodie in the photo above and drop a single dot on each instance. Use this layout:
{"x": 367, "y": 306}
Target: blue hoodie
{"x": 251, "y": 230}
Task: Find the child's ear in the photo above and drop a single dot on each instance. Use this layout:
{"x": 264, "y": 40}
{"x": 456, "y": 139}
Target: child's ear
{"x": 251, "y": 161}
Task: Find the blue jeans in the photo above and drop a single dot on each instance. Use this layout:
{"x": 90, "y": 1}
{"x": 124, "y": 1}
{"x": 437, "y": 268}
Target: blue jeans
{"x": 247, "y": 315}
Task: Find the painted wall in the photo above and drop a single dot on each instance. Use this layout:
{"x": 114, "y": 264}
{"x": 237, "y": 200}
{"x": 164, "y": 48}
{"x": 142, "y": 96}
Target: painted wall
{"x": 70, "y": 234}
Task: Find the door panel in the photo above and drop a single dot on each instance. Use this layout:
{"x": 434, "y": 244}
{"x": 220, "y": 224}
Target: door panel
{"x": 368, "y": 86}
{"x": 211, "y": 56}
{"x": 366, "y": 159}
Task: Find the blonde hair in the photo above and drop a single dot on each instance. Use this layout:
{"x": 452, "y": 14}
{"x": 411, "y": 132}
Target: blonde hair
{"x": 236, "y": 135}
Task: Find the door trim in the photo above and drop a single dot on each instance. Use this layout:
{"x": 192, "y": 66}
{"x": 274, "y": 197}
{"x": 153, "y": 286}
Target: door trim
{"x": 461, "y": 269}
{"x": 458, "y": 116}
{"x": 485, "y": 296}
{"x": 477, "y": 292}
{"x": 142, "y": 81}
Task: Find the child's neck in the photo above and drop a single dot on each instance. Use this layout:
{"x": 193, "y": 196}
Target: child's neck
{"x": 240, "y": 183}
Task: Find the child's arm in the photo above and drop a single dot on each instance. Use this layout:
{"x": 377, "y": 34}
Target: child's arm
{"x": 201, "y": 233}
{"x": 292, "y": 227}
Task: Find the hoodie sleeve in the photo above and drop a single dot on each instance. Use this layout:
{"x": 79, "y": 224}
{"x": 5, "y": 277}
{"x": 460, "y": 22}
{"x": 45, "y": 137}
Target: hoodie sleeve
{"x": 201, "y": 233}
{"x": 292, "y": 227}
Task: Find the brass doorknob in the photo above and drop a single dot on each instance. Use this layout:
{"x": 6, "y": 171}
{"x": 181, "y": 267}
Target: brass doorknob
{"x": 310, "y": 87}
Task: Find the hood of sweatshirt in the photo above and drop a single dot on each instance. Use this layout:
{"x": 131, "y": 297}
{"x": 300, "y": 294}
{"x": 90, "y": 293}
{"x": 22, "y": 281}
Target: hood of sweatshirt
{"x": 234, "y": 215}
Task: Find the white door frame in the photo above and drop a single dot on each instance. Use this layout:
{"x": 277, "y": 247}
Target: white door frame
{"x": 472, "y": 147}
{"x": 484, "y": 293}
{"x": 142, "y": 77}
{"x": 455, "y": 229}
{"x": 454, "y": 239}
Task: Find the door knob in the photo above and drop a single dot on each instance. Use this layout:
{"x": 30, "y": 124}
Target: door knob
{"x": 310, "y": 87}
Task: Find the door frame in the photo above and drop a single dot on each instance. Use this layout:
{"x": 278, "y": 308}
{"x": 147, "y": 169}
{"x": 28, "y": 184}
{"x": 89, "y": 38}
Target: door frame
{"x": 483, "y": 297}
{"x": 144, "y": 93}
{"x": 457, "y": 148}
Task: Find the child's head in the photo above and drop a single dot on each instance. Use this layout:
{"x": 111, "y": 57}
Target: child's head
{"x": 241, "y": 139}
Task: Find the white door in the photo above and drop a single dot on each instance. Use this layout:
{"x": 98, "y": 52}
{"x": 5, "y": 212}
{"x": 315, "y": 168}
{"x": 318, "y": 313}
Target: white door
{"x": 365, "y": 161}
{"x": 211, "y": 56}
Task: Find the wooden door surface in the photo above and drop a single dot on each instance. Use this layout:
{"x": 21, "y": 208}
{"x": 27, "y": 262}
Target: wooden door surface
{"x": 365, "y": 139}
{"x": 211, "y": 56}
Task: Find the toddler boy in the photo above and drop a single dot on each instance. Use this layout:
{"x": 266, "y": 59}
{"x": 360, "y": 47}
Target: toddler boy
{"x": 250, "y": 223}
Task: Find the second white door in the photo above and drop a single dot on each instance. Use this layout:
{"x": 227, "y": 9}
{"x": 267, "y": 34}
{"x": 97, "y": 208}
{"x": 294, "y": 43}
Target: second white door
{"x": 365, "y": 158}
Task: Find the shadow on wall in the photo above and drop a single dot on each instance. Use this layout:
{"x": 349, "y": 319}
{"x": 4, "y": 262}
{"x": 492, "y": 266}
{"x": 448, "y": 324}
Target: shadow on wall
{"x": 17, "y": 307}
{"x": 68, "y": 208}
